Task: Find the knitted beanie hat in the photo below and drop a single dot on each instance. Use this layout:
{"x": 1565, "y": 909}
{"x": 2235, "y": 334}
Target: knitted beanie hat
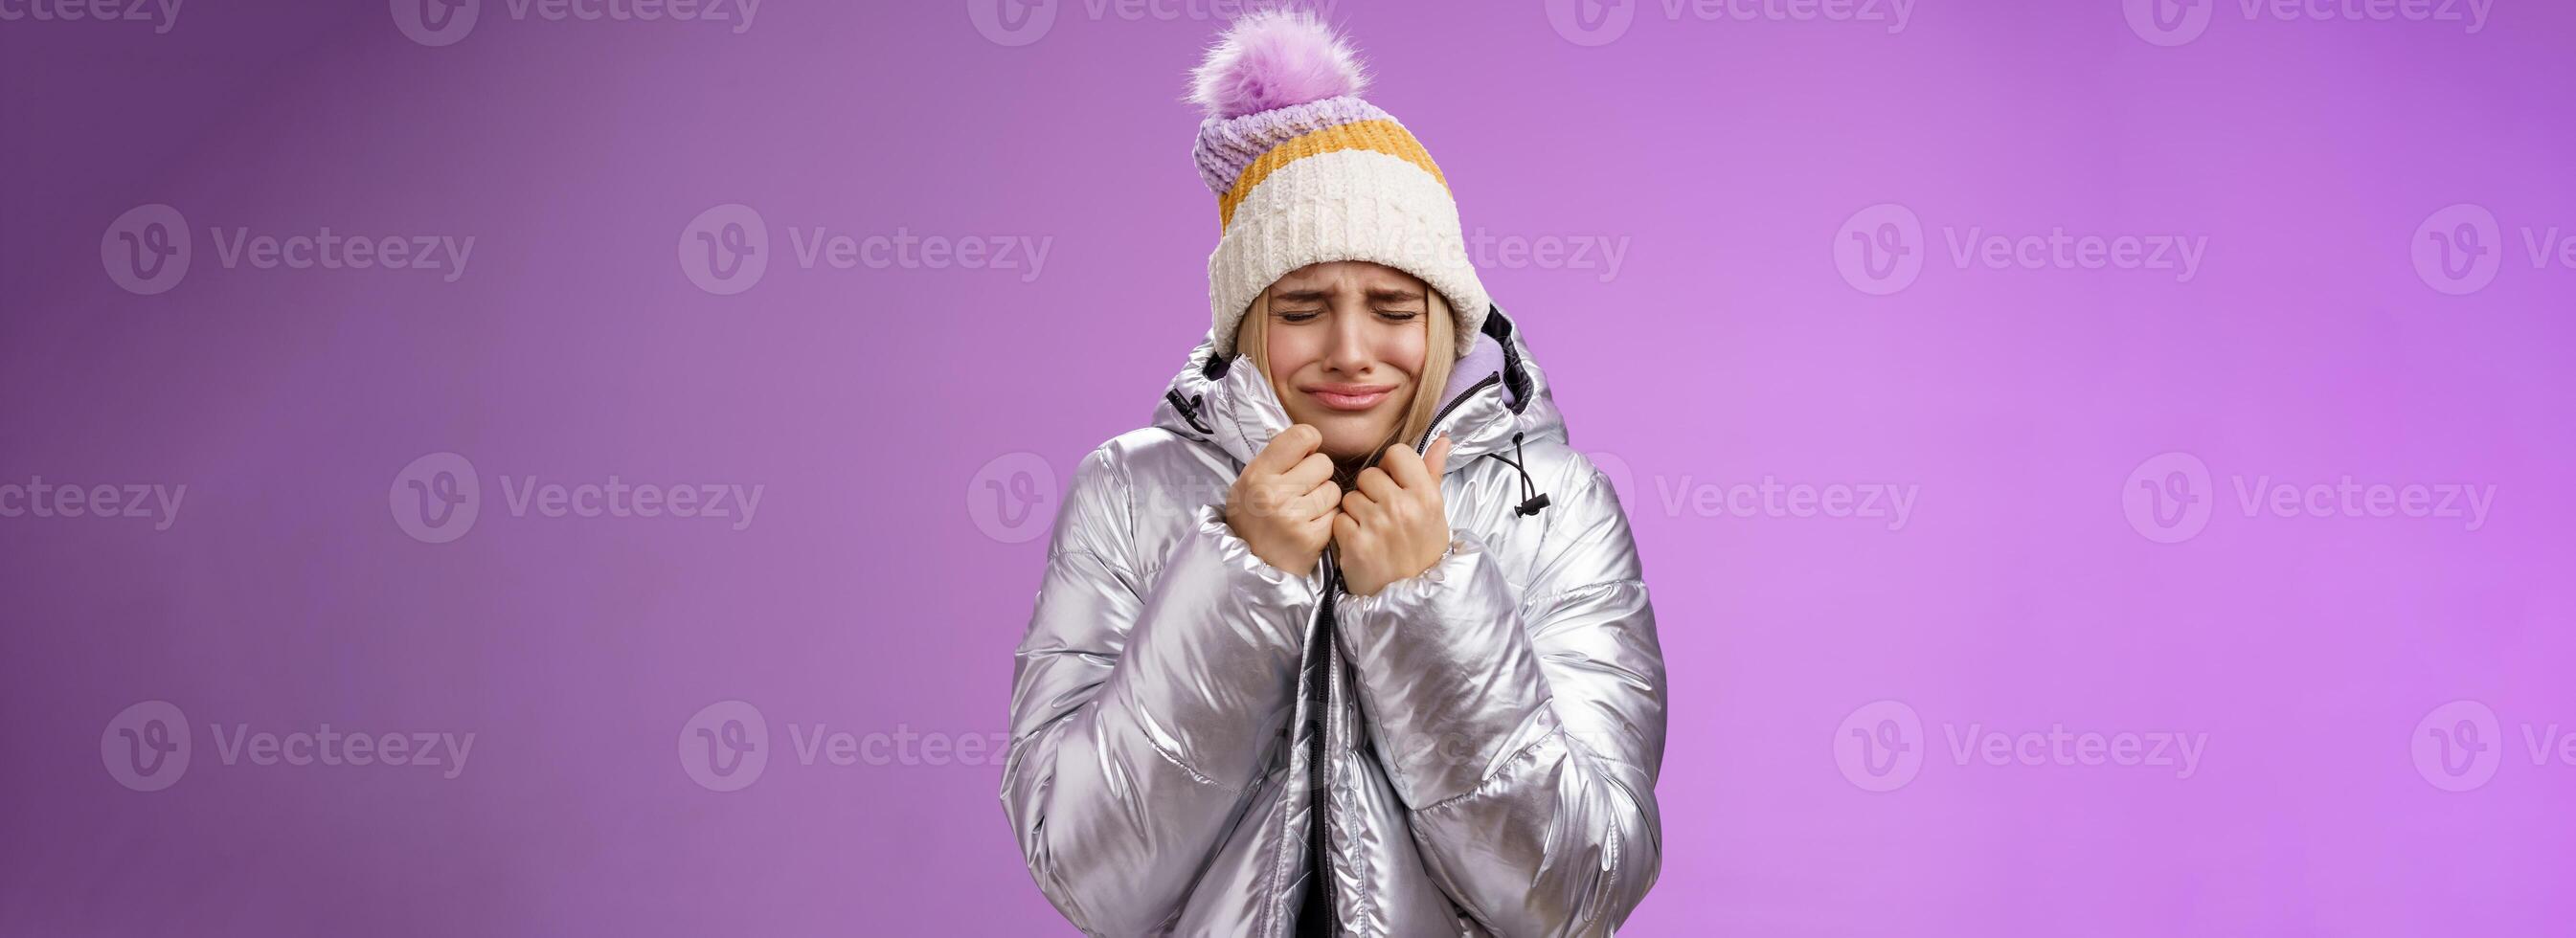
{"x": 1305, "y": 172}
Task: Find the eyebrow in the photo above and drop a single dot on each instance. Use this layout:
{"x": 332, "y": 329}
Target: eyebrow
{"x": 1379, "y": 294}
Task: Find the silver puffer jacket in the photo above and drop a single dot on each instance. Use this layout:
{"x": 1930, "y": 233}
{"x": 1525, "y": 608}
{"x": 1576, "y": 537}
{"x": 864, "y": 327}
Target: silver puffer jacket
{"x": 1490, "y": 730}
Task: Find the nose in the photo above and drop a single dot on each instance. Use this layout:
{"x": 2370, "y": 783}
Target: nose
{"x": 1349, "y": 351}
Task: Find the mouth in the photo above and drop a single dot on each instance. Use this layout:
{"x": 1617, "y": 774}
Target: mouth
{"x": 1349, "y": 396}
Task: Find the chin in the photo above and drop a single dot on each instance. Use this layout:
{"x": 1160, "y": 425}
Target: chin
{"x": 1348, "y": 436}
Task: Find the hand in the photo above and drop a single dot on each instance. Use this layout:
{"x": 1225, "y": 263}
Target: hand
{"x": 1282, "y": 504}
{"x": 1396, "y": 525}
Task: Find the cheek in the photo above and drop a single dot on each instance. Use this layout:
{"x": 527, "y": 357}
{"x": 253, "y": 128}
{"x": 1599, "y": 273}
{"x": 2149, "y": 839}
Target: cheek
{"x": 1403, "y": 348}
{"x": 1290, "y": 350}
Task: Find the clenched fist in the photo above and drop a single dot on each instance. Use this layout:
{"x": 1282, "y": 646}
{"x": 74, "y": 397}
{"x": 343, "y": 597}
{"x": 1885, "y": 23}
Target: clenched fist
{"x": 1283, "y": 503}
{"x": 1396, "y": 525}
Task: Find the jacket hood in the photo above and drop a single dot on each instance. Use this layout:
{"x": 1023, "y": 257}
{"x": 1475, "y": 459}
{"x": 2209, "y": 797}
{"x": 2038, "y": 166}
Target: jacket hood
{"x": 1496, "y": 392}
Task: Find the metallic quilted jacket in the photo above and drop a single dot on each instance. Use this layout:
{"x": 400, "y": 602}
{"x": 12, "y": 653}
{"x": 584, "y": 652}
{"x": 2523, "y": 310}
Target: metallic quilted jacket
{"x": 1473, "y": 750}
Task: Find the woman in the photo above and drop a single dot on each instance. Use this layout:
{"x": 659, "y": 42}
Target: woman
{"x": 1395, "y": 673}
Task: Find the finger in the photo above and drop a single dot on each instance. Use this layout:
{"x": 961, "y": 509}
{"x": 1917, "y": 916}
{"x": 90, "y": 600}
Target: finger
{"x": 1436, "y": 462}
{"x": 1257, "y": 498}
{"x": 1316, "y": 503}
{"x": 1358, "y": 506}
{"x": 1316, "y": 467}
{"x": 1269, "y": 497}
{"x": 1404, "y": 465}
{"x": 1287, "y": 449}
{"x": 1378, "y": 485}
{"x": 1345, "y": 530}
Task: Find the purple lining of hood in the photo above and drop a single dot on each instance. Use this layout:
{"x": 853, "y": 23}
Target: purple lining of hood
{"x": 1481, "y": 361}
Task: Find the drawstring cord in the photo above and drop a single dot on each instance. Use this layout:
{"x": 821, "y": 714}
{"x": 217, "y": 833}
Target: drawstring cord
{"x": 1532, "y": 500}
{"x": 1189, "y": 409}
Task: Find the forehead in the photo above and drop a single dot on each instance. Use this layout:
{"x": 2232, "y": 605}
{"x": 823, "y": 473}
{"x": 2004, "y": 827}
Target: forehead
{"x": 1346, "y": 276}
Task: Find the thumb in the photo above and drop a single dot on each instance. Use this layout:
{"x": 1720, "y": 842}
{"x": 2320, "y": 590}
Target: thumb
{"x": 1437, "y": 458}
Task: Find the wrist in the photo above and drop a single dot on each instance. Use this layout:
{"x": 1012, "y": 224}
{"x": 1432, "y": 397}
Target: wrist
{"x": 1262, "y": 550}
{"x": 1250, "y": 559}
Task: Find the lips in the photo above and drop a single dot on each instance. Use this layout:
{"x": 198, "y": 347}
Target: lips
{"x": 1349, "y": 396}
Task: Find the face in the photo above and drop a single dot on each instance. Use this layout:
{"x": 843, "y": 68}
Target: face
{"x": 1345, "y": 347}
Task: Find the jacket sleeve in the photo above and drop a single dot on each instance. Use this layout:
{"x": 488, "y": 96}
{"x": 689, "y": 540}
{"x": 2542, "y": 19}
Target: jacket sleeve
{"x": 1143, "y": 702}
{"x": 1524, "y": 734}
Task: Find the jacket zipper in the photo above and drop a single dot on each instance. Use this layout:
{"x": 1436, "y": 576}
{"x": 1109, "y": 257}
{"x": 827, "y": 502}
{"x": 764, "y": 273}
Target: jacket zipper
{"x": 1443, "y": 412}
{"x": 1317, "y": 777}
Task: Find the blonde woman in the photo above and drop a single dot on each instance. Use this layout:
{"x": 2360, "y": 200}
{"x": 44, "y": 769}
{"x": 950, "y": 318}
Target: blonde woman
{"x": 1397, "y": 674}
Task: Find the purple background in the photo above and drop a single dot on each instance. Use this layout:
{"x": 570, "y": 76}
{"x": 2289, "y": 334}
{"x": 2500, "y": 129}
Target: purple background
{"x": 878, "y": 591}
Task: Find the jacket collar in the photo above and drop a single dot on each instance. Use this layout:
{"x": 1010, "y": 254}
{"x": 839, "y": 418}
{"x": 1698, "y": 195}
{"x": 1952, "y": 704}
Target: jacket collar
{"x": 1496, "y": 392}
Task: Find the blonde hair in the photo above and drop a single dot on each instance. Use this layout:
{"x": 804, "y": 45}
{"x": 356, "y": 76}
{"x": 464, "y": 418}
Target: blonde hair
{"x": 1439, "y": 358}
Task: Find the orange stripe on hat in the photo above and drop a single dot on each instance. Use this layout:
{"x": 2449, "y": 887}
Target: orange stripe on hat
{"x": 1383, "y": 136}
